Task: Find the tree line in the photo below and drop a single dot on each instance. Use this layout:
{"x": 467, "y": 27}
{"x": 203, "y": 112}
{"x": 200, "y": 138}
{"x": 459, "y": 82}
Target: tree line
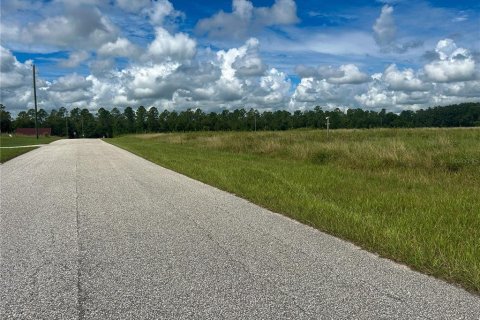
{"x": 109, "y": 123}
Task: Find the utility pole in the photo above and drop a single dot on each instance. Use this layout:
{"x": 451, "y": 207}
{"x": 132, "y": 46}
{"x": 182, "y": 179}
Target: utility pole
{"x": 35, "y": 99}
{"x": 66, "y": 123}
{"x": 255, "y": 117}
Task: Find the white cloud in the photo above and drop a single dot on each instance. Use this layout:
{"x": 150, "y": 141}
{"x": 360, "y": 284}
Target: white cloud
{"x": 351, "y": 75}
{"x": 275, "y": 86}
{"x": 176, "y": 47}
{"x": 384, "y": 27}
{"x": 162, "y": 9}
{"x": 13, "y": 74}
{"x": 282, "y": 12}
{"x": 74, "y": 59}
{"x": 7, "y": 61}
{"x": 151, "y": 81}
{"x": 172, "y": 74}
{"x": 71, "y": 82}
{"x": 248, "y": 62}
{"x": 405, "y": 80}
{"x": 83, "y": 28}
{"x": 314, "y": 40}
{"x": 101, "y": 67}
{"x": 454, "y": 64}
{"x": 376, "y": 98}
{"x": 385, "y": 33}
{"x": 245, "y": 19}
{"x": 311, "y": 91}
{"x": 466, "y": 89}
{"x": 120, "y": 48}
{"x": 345, "y": 74}
{"x": 133, "y": 6}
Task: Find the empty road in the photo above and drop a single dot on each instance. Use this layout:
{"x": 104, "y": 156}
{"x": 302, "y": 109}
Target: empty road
{"x": 90, "y": 231}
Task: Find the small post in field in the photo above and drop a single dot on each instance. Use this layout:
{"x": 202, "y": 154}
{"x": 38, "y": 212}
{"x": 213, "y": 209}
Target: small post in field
{"x": 328, "y": 126}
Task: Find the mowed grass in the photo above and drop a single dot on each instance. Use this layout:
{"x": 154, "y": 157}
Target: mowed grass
{"x": 412, "y": 195}
{"x": 7, "y": 141}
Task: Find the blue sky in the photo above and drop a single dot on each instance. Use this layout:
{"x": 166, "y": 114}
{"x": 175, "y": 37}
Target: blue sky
{"x": 277, "y": 54}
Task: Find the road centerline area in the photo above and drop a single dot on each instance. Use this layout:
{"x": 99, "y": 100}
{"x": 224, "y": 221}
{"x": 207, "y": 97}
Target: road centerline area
{"x": 90, "y": 231}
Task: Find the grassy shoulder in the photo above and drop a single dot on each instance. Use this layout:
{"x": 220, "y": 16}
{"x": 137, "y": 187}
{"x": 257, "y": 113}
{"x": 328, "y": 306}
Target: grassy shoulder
{"x": 410, "y": 194}
{"x": 15, "y": 141}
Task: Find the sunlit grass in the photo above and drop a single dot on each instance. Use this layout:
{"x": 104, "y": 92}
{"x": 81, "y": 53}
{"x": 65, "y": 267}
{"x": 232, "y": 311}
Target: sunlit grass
{"x": 410, "y": 194}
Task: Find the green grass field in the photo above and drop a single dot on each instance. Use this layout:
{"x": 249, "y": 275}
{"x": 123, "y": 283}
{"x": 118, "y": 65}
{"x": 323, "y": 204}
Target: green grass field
{"x": 7, "y": 141}
{"x": 411, "y": 195}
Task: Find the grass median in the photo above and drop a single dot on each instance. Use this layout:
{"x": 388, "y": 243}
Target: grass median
{"x": 411, "y": 195}
{"x": 19, "y": 141}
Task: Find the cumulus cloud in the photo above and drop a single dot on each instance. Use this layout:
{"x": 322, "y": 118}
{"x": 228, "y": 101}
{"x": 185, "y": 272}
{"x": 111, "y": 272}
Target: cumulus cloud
{"x": 396, "y": 90}
{"x": 133, "y": 6}
{"x": 171, "y": 71}
{"x": 248, "y": 61}
{"x": 384, "y": 27}
{"x": 162, "y": 9}
{"x": 454, "y": 64}
{"x": 82, "y": 27}
{"x": 74, "y": 59}
{"x": 170, "y": 47}
{"x": 466, "y": 89}
{"x": 101, "y": 67}
{"x": 311, "y": 91}
{"x": 405, "y": 80}
{"x": 8, "y": 60}
{"x": 71, "y": 82}
{"x": 385, "y": 33}
{"x": 13, "y": 73}
{"x": 233, "y": 77}
{"x": 119, "y": 48}
{"x": 275, "y": 86}
{"x": 351, "y": 75}
{"x": 377, "y": 98}
{"x": 345, "y": 74}
{"x": 246, "y": 18}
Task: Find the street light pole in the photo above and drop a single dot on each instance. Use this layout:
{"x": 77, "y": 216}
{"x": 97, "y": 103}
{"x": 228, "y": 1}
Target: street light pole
{"x": 35, "y": 99}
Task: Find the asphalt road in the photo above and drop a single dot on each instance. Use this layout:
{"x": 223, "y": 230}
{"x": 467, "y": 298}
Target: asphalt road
{"x": 89, "y": 231}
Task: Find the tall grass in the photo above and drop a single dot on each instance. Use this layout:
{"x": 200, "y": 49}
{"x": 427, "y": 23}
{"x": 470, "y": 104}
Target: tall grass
{"x": 412, "y": 195}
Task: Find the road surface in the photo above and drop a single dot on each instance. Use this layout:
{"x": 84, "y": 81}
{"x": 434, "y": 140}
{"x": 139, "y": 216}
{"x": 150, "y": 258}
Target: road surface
{"x": 90, "y": 231}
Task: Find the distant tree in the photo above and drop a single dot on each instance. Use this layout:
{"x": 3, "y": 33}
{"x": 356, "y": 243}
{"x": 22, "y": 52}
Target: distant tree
{"x": 129, "y": 115}
{"x": 172, "y": 121}
{"x": 141, "y": 119}
{"x": 88, "y": 124}
{"x": 5, "y": 119}
{"x": 56, "y": 121}
{"x": 25, "y": 119}
{"x": 104, "y": 123}
{"x": 108, "y": 123}
{"x": 75, "y": 122}
{"x": 163, "y": 121}
{"x": 119, "y": 122}
{"x": 42, "y": 116}
{"x": 152, "y": 120}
